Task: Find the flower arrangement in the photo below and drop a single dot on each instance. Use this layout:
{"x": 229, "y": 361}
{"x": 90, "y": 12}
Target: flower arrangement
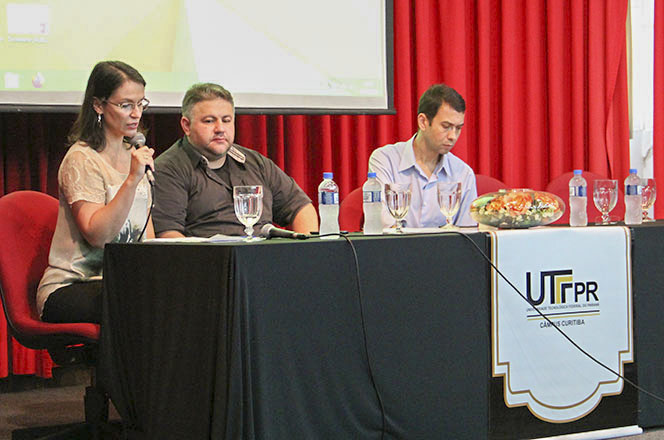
{"x": 517, "y": 208}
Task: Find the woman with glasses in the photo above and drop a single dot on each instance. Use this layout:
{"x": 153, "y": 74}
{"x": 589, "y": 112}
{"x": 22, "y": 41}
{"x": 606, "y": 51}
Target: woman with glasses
{"x": 103, "y": 190}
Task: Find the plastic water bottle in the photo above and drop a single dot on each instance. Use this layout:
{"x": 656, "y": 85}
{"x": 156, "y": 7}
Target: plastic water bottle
{"x": 633, "y": 210}
{"x": 578, "y": 200}
{"x": 372, "y": 206}
{"x": 328, "y": 207}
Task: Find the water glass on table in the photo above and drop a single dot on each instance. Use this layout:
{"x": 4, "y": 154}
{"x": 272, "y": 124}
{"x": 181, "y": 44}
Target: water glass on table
{"x": 397, "y": 199}
{"x": 605, "y": 196}
{"x": 449, "y": 199}
{"x": 648, "y": 196}
{"x": 248, "y": 204}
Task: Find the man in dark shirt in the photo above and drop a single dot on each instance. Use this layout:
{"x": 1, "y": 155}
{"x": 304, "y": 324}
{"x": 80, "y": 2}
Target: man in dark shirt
{"x": 194, "y": 178}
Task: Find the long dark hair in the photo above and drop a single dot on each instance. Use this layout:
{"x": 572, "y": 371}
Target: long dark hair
{"x": 106, "y": 77}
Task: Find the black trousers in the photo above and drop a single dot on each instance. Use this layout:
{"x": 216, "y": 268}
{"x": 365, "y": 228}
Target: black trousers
{"x": 78, "y": 302}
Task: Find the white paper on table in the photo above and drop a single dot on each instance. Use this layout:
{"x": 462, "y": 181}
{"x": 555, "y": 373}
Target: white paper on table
{"x": 393, "y": 231}
{"x": 218, "y": 238}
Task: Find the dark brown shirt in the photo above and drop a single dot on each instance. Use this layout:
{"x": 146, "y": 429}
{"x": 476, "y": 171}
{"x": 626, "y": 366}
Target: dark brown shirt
{"x": 191, "y": 198}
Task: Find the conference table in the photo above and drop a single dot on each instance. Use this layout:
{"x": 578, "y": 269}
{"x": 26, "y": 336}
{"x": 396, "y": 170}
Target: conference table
{"x": 365, "y": 337}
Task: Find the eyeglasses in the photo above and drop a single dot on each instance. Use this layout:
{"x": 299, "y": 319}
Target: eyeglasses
{"x": 128, "y": 107}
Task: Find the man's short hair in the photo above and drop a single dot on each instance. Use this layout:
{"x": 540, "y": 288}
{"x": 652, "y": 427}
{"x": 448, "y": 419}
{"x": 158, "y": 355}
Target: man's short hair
{"x": 435, "y": 96}
{"x": 204, "y": 92}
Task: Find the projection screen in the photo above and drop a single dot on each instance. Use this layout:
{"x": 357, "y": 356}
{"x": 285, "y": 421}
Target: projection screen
{"x": 289, "y": 56}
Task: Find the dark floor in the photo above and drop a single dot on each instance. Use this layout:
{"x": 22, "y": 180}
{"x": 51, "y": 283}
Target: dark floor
{"x": 28, "y": 402}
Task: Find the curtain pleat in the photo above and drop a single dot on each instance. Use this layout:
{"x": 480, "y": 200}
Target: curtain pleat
{"x": 544, "y": 81}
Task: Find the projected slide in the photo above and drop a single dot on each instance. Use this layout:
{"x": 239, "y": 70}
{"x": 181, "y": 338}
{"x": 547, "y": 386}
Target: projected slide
{"x": 269, "y": 54}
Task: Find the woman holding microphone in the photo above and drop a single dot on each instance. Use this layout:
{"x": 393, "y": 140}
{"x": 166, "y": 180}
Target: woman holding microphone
{"x": 103, "y": 191}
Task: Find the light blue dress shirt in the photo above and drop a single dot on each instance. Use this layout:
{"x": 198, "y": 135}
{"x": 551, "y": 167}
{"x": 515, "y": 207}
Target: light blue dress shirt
{"x": 395, "y": 163}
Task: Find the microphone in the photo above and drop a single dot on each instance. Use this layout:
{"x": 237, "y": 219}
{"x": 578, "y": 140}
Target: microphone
{"x": 270, "y": 231}
{"x": 137, "y": 141}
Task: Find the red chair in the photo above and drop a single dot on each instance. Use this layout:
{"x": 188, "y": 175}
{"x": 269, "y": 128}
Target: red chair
{"x": 27, "y": 224}
{"x": 351, "y": 214}
{"x": 560, "y": 187}
{"x": 488, "y": 184}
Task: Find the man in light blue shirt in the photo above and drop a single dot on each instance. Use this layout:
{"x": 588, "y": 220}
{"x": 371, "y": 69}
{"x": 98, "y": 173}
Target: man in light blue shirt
{"x": 425, "y": 159}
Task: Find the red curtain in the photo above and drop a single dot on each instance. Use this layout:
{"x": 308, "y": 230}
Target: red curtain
{"x": 545, "y": 83}
{"x": 544, "y": 80}
{"x": 658, "y": 111}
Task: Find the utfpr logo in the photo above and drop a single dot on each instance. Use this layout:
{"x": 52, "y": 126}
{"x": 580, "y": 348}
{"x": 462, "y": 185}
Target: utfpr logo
{"x": 559, "y": 286}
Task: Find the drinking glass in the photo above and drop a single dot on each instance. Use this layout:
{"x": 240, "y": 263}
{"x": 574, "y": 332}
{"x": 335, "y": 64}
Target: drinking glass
{"x": 648, "y": 196}
{"x": 397, "y": 198}
{"x": 248, "y": 204}
{"x": 449, "y": 198}
{"x": 605, "y": 196}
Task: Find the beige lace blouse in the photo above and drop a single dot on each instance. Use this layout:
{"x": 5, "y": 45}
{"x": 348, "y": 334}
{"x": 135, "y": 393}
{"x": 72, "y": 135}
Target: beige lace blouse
{"x": 85, "y": 175}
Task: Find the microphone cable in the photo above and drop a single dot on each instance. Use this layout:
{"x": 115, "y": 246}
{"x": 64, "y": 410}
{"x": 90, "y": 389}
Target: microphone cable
{"x": 493, "y": 266}
{"x": 364, "y": 330}
{"x": 147, "y": 220}
{"x": 138, "y": 141}
{"x": 569, "y": 339}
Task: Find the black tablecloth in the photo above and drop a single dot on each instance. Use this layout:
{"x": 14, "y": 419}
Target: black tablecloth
{"x": 267, "y": 340}
{"x": 272, "y": 340}
{"x": 648, "y": 291}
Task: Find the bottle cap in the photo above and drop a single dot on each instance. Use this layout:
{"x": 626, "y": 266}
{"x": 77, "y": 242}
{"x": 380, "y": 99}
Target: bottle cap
{"x": 328, "y": 175}
{"x": 578, "y": 172}
{"x": 633, "y": 171}
{"x": 371, "y": 174}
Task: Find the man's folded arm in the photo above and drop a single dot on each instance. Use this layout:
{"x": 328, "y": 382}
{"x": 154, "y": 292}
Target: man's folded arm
{"x": 170, "y": 234}
{"x": 306, "y": 220}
